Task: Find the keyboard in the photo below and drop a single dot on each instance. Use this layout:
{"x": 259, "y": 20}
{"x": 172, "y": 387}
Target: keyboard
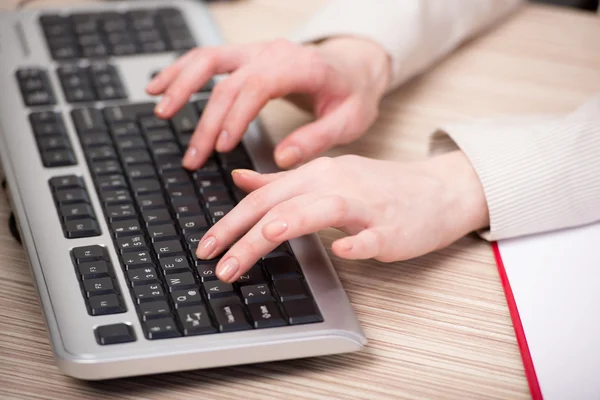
{"x": 110, "y": 220}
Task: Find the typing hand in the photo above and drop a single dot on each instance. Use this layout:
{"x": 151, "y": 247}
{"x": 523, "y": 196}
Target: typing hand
{"x": 390, "y": 211}
{"x": 342, "y": 80}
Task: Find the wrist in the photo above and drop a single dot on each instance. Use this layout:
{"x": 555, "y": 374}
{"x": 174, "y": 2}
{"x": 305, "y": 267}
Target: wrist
{"x": 365, "y": 62}
{"x": 466, "y": 202}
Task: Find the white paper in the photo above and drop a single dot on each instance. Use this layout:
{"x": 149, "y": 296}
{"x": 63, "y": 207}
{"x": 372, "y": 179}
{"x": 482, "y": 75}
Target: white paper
{"x": 555, "y": 280}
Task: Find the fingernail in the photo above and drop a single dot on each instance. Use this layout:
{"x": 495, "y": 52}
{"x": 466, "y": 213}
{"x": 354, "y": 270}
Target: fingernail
{"x": 222, "y": 141}
{"x": 275, "y": 228}
{"x": 228, "y": 269}
{"x": 190, "y": 156}
{"x": 206, "y": 247}
{"x": 162, "y": 105}
{"x": 288, "y": 156}
{"x": 242, "y": 171}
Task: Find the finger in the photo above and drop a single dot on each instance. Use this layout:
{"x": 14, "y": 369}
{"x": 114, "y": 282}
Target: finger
{"x": 203, "y": 66}
{"x": 248, "y": 212}
{"x": 287, "y": 221}
{"x": 203, "y": 140}
{"x": 253, "y": 96}
{"x": 316, "y": 137}
{"x": 160, "y": 82}
{"x": 366, "y": 244}
{"x": 249, "y": 180}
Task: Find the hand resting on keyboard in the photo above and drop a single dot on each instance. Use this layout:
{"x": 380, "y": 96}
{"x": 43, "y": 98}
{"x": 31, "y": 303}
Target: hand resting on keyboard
{"x": 341, "y": 80}
{"x": 391, "y": 211}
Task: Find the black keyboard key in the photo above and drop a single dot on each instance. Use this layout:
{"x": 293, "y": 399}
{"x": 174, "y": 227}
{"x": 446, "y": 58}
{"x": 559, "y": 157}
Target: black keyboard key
{"x": 175, "y": 178}
{"x": 70, "y": 196}
{"x": 76, "y": 211}
{"x": 130, "y": 143}
{"x": 101, "y": 153}
{"x": 146, "y": 293}
{"x": 102, "y": 168}
{"x": 94, "y": 269}
{"x": 159, "y": 233}
{"x": 192, "y": 224}
{"x": 135, "y": 157}
{"x": 145, "y": 186}
{"x": 193, "y": 239}
{"x": 168, "y": 248}
{"x": 131, "y": 244}
{"x": 210, "y": 181}
{"x": 266, "y": 315}
{"x": 140, "y": 259}
{"x": 183, "y": 210}
{"x": 195, "y": 321}
{"x": 48, "y": 128}
{"x": 282, "y": 250}
{"x": 155, "y": 309}
{"x": 290, "y": 289}
{"x": 174, "y": 265}
{"x": 183, "y": 280}
{"x": 96, "y": 139}
{"x": 159, "y": 136}
{"x": 151, "y": 202}
{"x": 35, "y": 87}
{"x": 141, "y": 171}
{"x": 230, "y": 315}
{"x": 256, "y": 293}
{"x": 66, "y": 182}
{"x": 162, "y": 328}
{"x": 106, "y": 304}
{"x": 142, "y": 276}
{"x": 216, "y": 196}
{"x": 114, "y": 197}
{"x": 125, "y": 129}
{"x": 156, "y": 217}
{"x": 120, "y": 212}
{"x": 217, "y": 289}
{"x": 216, "y": 213}
{"x": 89, "y": 253}
{"x": 301, "y": 311}
{"x": 58, "y": 158}
{"x": 116, "y": 333}
{"x": 82, "y": 228}
{"x": 152, "y": 122}
{"x": 88, "y": 120}
{"x": 186, "y": 298}
{"x": 110, "y": 182}
{"x": 167, "y": 163}
{"x": 253, "y": 276}
{"x": 282, "y": 267}
{"x": 128, "y": 113}
{"x": 127, "y": 227}
{"x": 182, "y": 194}
{"x": 185, "y": 120}
{"x": 166, "y": 149}
{"x": 207, "y": 271}
{"x": 94, "y": 287}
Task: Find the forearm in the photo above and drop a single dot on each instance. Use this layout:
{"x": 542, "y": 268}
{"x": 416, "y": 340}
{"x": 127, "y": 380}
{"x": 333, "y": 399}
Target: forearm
{"x": 414, "y": 33}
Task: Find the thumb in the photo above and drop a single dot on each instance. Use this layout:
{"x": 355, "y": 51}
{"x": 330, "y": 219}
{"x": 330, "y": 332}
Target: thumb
{"x": 312, "y": 139}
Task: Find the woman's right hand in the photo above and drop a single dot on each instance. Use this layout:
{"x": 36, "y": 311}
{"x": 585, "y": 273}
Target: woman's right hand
{"x": 341, "y": 80}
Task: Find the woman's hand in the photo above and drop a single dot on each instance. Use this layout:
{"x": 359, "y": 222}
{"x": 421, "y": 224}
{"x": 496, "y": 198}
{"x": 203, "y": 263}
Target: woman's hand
{"x": 390, "y": 211}
{"x": 342, "y": 80}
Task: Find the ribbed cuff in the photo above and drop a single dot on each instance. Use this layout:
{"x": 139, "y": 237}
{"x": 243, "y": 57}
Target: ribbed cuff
{"x": 538, "y": 174}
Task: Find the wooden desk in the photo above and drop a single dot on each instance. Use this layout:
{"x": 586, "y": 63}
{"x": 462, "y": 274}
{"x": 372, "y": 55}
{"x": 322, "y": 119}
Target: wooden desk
{"x": 438, "y": 326}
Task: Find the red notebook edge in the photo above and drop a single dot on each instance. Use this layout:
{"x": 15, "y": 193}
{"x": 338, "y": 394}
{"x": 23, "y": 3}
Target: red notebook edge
{"x": 534, "y": 386}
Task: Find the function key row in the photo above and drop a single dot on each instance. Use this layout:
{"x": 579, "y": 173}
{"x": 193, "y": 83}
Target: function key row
{"x": 97, "y": 279}
{"x": 102, "y": 34}
{"x": 100, "y": 81}
{"x": 74, "y": 209}
{"x": 35, "y": 87}
{"x": 52, "y": 139}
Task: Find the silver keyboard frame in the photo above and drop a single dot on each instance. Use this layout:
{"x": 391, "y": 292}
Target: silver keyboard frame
{"x": 70, "y": 327}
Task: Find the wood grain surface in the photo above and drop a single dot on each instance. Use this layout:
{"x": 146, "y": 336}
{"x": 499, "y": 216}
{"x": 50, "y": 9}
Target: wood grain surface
{"x": 438, "y": 326}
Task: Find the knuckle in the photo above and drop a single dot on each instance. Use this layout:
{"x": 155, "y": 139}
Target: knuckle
{"x": 254, "y": 84}
{"x": 340, "y": 207}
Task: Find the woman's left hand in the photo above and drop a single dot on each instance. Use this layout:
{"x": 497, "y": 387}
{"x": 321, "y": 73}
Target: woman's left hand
{"x": 389, "y": 210}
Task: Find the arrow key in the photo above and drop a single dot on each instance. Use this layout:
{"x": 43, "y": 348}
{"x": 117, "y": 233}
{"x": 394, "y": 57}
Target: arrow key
{"x": 256, "y": 293}
{"x": 195, "y": 321}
